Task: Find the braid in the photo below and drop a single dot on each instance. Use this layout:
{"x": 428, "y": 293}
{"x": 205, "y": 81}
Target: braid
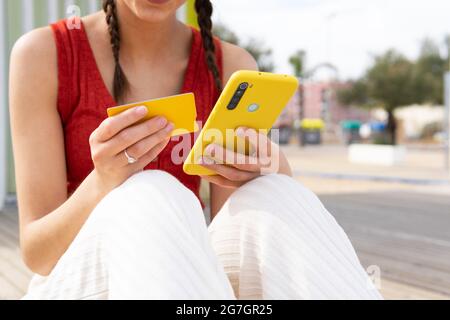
{"x": 120, "y": 85}
{"x": 204, "y": 11}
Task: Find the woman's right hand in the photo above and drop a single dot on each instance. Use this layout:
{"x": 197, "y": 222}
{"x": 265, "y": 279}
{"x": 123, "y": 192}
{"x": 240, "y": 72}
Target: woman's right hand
{"x": 143, "y": 142}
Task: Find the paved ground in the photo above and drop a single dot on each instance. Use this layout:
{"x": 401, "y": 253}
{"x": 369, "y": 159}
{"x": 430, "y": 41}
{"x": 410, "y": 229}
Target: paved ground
{"x": 398, "y": 218}
{"x": 403, "y": 228}
{"x": 420, "y": 165}
{"x": 403, "y": 232}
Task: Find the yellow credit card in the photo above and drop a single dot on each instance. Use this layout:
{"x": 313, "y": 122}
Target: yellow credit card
{"x": 179, "y": 109}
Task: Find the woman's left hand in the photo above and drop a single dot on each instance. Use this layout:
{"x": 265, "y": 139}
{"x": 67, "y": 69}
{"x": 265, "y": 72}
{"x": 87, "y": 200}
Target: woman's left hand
{"x": 235, "y": 169}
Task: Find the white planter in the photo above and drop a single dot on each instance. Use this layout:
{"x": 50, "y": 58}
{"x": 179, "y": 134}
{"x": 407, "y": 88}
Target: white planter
{"x": 383, "y": 155}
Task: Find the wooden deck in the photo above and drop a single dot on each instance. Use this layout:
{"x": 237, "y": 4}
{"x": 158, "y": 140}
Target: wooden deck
{"x": 405, "y": 233}
{"x": 14, "y": 275}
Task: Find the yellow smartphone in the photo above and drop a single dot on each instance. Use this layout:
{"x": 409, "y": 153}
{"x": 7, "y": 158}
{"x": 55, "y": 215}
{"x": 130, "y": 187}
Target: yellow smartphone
{"x": 250, "y": 99}
{"x": 179, "y": 109}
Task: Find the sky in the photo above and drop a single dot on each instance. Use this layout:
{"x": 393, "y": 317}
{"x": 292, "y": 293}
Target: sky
{"x": 347, "y": 33}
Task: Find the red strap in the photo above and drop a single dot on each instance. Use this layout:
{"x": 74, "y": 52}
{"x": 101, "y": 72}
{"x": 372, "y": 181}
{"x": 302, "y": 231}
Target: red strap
{"x": 65, "y": 56}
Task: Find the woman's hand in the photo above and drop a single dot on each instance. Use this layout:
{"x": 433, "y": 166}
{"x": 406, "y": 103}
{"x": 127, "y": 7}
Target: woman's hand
{"x": 118, "y": 134}
{"x": 235, "y": 169}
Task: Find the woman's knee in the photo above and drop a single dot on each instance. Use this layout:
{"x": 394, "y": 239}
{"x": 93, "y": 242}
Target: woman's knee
{"x": 153, "y": 183}
{"x": 275, "y": 195}
{"x": 146, "y": 195}
{"x": 269, "y": 189}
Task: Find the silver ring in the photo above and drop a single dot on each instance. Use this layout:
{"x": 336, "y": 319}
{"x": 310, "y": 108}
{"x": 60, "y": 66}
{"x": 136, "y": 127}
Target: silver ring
{"x": 130, "y": 159}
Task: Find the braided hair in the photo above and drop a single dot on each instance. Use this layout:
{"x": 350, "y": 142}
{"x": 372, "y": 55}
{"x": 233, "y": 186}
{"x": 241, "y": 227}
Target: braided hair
{"x": 204, "y": 10}
{"x": 120, "y": 84}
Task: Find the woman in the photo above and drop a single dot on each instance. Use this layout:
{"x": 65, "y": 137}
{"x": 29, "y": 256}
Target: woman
{"x": 105, "y": 213}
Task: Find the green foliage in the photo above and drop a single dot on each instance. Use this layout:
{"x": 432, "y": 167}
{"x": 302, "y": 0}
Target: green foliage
{"x": 393, "y": 80}
{"x": 298, "y": 62}
{"x": 356, "y": 94}
{"x": 256, "y": 48}
{"x": 390, "y": 81}
{"x": 429, "y": 72}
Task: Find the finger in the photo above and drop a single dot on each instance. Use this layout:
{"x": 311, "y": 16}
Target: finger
{"x": 221, "y": 181}
{"x": 228, "y": 172}
{"x": 132, "y": 135}
{"x": 143, "y": 146}
{"x": 260, "y": 144}
{"x": 153, "y": 153}
{"x": 112, "y": 126}
{"x": 239, "y": 161}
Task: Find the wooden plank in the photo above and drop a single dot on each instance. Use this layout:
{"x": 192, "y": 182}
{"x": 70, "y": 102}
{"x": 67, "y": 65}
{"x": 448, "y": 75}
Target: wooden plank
{"x": 426, "y": 223}
{"x": 9, "y": 229}
{"x": 11, "y": 252}
{"x": 8, "y": 291}
{"x": 401, "y": 272}
{"x": 404, "y": 233}
{"x": 14, "y": 275}
{"x": 433, "y": 255}
{"x": 392, "y": 290}
{"x": 413, "y": 203}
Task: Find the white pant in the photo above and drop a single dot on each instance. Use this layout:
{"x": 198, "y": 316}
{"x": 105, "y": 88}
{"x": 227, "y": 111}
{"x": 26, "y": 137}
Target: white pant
{"x": 147, "y": 239}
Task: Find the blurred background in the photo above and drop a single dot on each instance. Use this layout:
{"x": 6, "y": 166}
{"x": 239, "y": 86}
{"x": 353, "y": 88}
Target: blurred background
{"x": 367, "y": 129}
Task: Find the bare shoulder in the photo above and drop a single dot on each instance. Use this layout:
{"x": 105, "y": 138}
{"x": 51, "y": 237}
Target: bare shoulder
{"x": 35, "y": 46}
{"x": 34, "y": 71}
{"x": 236, "y": 58}
{"x": 34, "y": 61}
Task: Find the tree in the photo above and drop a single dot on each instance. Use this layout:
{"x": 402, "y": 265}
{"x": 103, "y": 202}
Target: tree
{"x": 255, "y": 47}
{"x": 429, "y": 72}
{"x": 388, "y": 83}
{"x": 298, "y": 63}
{"x": 393, "y": 81}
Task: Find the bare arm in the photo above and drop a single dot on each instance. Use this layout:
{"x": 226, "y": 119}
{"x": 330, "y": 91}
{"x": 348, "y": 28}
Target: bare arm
{"x": 49, "y": 221}
{"x": 234, "y": 59}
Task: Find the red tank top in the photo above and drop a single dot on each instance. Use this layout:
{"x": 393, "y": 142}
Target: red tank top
{"x": 83, "y": 99}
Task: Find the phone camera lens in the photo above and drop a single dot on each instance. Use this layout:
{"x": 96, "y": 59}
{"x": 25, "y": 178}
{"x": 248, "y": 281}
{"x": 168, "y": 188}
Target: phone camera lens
{"x": 232, "y": 106}
{"x": 243, "y": 86}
